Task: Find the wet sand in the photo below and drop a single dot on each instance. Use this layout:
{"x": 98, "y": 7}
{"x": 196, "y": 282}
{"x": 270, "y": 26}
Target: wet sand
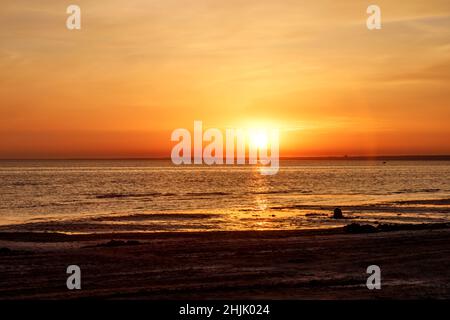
{"x": 316, "y": 264}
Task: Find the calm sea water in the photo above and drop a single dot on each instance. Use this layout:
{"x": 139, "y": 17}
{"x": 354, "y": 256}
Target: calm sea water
{"x": 154, "y": 195}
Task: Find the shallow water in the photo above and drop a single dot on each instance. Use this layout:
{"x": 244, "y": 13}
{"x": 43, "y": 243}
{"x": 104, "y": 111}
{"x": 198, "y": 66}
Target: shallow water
{"x": 154, "y": 195}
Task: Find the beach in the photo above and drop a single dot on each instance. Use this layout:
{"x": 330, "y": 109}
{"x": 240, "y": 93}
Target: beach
{"x": 305, "y": 264}
{"x": 144, "y": 229}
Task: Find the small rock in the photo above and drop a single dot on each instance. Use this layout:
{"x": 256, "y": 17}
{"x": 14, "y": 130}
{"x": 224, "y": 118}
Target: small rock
{"x": 337, "y": 214}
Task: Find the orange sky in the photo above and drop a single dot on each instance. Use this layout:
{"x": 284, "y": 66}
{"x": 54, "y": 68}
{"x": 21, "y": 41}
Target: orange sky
{"x": 138, "y": 69}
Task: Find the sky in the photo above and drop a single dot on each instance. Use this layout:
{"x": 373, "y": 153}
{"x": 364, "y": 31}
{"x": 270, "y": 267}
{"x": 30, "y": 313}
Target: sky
{"x": 139, "y": 69}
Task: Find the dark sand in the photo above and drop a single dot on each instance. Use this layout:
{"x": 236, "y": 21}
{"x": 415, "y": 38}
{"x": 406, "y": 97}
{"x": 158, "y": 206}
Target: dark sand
{"x": 228, "y": 265}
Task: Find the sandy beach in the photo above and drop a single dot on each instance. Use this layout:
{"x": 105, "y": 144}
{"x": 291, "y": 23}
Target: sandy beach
{"x": 309, "y": 264}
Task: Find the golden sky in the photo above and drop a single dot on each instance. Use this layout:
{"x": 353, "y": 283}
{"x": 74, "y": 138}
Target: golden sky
{"x": 138, "y": 69}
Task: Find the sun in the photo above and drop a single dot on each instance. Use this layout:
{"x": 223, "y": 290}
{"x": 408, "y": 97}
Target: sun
{"x": 258, "y": 139}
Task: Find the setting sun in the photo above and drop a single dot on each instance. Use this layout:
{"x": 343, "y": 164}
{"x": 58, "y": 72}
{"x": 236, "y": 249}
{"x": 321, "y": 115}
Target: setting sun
{"x": 258, "y": 139}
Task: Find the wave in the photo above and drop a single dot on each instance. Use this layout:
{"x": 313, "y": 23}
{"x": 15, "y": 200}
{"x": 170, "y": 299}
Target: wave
{"x": 384, "y": 207}
{"x": 86, "y": 227}
{"x": 156, "y": 216}
{"x": 132, "y": 195}
{"x": 437, "y": 202}
{"x": 27, "y": 184}
{"x": 282, "y": 192}
{"x": 195, "y": 194}
{"x": 427, "y": 190}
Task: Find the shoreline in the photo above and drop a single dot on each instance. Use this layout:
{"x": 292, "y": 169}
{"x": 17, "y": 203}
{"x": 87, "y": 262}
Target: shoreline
{"x": 52, "y": 237}
{"x": 303, "y": 264}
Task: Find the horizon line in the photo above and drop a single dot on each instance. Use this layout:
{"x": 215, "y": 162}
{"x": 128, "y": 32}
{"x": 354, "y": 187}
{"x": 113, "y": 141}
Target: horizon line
{"x": 344, "y": 157}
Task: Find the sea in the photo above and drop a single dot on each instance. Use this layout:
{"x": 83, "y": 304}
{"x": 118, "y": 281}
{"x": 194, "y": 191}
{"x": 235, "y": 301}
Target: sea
{"x": 104, "y": 196}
